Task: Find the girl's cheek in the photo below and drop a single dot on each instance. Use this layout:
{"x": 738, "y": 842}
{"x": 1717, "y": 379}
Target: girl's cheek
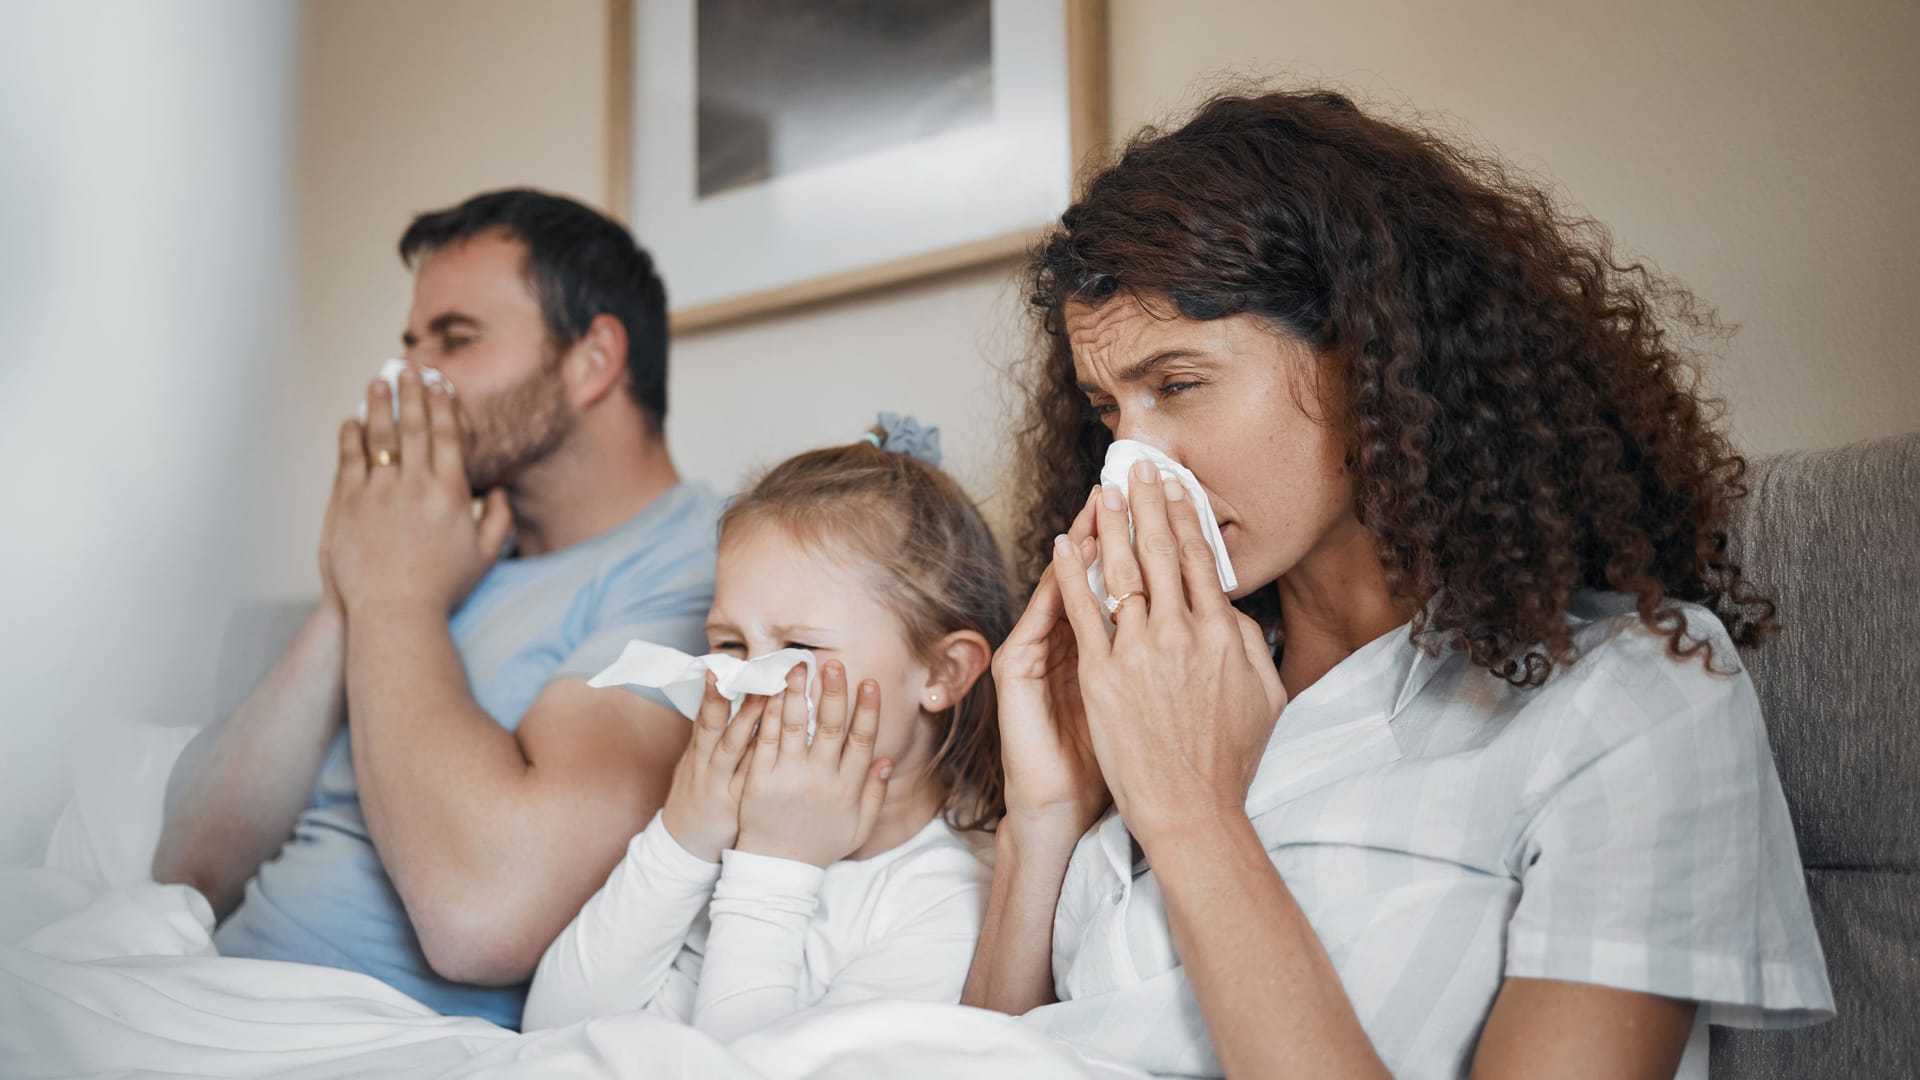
{"x": 896, "y": 731}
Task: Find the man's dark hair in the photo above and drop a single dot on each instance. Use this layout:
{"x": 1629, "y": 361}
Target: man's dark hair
{"x": 580, "y": 264}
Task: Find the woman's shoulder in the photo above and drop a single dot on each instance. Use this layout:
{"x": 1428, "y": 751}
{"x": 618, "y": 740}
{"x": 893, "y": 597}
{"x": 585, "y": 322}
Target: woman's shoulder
{"x": 1608, "y": 626}
{"x": 1616, "y": 649}
{"x": 1625, "y": 685}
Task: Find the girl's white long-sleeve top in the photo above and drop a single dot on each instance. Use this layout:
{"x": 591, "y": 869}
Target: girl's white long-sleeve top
{"x": 733, "y": 946}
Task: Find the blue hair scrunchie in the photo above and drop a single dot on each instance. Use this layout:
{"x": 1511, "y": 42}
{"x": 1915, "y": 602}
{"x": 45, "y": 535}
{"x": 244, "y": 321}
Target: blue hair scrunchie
{"x": 906, "y": 435}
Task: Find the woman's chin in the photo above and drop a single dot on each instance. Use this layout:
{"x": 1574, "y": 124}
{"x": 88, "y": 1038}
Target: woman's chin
{"x": 1248, "y": 587}
{"x": 1247, "y": 583}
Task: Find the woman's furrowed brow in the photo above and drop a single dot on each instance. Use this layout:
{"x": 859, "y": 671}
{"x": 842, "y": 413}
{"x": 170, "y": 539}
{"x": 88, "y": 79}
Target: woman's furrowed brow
{"x": 1139, "y": 369}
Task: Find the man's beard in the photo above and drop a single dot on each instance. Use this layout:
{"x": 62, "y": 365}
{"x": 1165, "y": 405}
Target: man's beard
{"x": 516, "y": 429}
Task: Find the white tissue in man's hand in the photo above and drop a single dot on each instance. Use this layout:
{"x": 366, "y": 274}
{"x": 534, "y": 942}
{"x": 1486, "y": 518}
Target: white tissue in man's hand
{"x": 390, "y": 373}
{"x": 1118, "y": 473}
{"x": 682, "y": 677}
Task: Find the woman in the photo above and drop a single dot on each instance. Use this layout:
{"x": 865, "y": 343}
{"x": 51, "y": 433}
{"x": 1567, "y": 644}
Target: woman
{"x": 1517, "y": 815}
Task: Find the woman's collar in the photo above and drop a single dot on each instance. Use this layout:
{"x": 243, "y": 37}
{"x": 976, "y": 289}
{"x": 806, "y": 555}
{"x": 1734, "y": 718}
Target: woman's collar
{"x": 1343, "y": 722}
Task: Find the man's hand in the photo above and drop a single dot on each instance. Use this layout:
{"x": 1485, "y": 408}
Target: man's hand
{"x": 401, "y": 528}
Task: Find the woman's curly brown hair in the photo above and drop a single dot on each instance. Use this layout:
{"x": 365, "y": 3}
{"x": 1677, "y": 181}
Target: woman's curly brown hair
{"x": 1521, "y": 418}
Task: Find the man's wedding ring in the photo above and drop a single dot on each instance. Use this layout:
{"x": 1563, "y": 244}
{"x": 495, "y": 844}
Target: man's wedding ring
{"x": 1113, "y": 602}
{"x": 385, "y": 457}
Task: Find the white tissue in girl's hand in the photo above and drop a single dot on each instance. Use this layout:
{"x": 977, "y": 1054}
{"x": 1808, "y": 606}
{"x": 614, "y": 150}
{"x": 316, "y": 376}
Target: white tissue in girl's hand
{"x": 1118, "y": 473}
{"x": 390, "y": 372}
{"x": 682, "y": 677}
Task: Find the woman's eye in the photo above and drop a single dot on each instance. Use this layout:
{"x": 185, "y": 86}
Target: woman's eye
{"x": 1174, "y": 388}
{"x": 801, "y": 645}
{"x": 728, "y": 647}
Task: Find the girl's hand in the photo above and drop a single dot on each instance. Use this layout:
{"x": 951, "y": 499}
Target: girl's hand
{"x": 1052, "y": 777}
{"x": 815, "y": 804}
{"x": 1181, "y": 701}
{"x": 702, "y": 812}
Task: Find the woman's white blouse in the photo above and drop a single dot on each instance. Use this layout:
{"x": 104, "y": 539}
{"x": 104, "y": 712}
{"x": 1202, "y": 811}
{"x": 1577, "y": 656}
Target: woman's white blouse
{"x": 1622, "y": 825}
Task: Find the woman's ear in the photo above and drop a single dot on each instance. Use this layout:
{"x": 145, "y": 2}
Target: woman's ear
{"x": 597, "y": 363}
{"x": 957, "y": 662}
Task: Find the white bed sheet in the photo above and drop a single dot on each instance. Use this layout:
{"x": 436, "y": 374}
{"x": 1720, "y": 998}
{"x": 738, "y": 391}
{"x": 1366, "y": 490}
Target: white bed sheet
{"x": 105, "y": 973}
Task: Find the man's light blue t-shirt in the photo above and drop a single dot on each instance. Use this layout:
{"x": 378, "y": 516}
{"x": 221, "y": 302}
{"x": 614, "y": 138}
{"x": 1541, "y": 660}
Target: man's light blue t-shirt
{"x": 326, "y": 899}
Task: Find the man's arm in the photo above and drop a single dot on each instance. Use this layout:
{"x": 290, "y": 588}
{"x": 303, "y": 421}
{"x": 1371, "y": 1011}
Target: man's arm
{"x": 239, "y": 786}
{"x": 494, "y": 839}
{"x": 241, "y": 783}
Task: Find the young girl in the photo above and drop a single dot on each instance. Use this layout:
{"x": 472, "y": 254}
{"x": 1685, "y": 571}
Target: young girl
{"x": 783, "y": 873}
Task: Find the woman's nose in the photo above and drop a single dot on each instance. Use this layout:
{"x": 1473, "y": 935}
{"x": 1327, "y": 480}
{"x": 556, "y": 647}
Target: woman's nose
{"x": 1140, "y": 424}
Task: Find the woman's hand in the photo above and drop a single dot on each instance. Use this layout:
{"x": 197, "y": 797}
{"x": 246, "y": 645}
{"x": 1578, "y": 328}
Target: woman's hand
{"x": 1052, "y": 777}
{"x": 1182, "y": 699}
{"x": 816, "y": 804}
{"x": 702, "y": 812}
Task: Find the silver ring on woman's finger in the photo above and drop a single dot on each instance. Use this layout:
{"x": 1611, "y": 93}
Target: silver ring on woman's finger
{"x": 1113, "y": 602}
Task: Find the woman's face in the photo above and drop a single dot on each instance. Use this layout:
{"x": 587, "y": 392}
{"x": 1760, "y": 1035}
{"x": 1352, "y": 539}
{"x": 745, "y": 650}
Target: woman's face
{"x": 1237, "y": 403}
{"x": 771, "y": 593}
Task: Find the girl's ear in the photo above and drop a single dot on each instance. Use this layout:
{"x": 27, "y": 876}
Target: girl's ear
{"x": 957, "y": 661}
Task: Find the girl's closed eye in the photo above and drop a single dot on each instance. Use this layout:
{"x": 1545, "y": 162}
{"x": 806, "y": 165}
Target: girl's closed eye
{"x": 740, "y": 649}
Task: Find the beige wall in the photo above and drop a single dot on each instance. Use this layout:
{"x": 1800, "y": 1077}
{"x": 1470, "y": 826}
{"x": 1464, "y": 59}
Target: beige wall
{"x": 1762, "y": 152}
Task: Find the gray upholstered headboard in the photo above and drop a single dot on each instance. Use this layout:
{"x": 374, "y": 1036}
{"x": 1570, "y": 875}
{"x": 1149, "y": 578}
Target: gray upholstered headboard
{"x": 1834, "y": 538}
{"x": 255, "y": 636}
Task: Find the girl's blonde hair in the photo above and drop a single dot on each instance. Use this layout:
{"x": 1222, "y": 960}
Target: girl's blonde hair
{"x": 933, "y": 562}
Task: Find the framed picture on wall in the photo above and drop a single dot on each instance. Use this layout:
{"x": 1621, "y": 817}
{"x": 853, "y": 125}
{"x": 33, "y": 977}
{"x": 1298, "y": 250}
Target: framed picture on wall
{"x": 772, "y": 153}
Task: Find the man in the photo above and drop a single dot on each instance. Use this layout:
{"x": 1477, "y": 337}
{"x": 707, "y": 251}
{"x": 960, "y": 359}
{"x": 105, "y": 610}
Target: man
{"x": 485, "y": 791}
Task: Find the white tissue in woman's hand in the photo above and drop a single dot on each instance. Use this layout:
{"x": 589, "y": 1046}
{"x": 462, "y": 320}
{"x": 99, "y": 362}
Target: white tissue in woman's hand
{"x": 390, "y": 373}
{"x": 1118, "y": 473}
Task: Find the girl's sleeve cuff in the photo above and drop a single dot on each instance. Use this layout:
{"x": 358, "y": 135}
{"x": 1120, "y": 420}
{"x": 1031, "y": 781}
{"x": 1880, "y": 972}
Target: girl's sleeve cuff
{"x": 744, "y": 875}
{"x": 656, "y": 848}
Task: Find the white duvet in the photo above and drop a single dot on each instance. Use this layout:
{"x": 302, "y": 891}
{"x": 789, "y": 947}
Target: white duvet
{"x": 104, "y": 973}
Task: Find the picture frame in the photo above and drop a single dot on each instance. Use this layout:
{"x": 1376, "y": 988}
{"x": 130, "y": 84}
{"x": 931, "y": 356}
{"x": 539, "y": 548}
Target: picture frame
{"x": 755, "y": 198}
